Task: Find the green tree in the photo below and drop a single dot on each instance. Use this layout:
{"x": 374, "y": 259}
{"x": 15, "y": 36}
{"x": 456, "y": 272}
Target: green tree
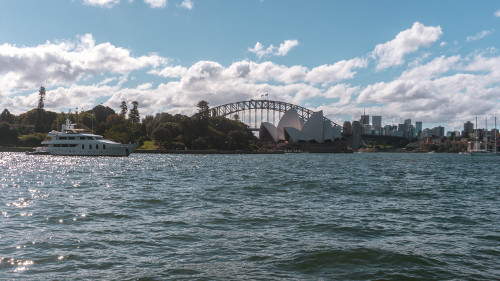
{"x": 203, "y": 109}
{"x": 6, "y": 116}
{"x": 133, "y": 115}
{"x": 41, "y": 100}
{"x": 8, "y": 134}
{"x": 40, "y": 119}
{"x": 124, "y": 109}
{"x": 162, "y": 136}
{"x": 100, "y": 113}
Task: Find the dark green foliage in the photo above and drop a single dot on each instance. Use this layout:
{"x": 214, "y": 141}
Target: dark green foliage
{"x": 100, "y": 113}
{"x": 39, "y": 118}
{"x": 8, "y": 134}
{"x": 31, "y": 140}
{"x": 6, "y": 116}
{"x": 41, "y": 101}
{"x": 124, "y": 109}
{"x": 133, "y": 115}
{"x": 179, "y": 132}
{"x": 162, "y": 136}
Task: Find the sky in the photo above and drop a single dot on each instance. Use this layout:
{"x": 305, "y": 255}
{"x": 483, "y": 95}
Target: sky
{"x": 432, "y": 61}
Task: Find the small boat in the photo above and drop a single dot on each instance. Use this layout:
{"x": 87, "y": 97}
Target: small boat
{"x": 76, "y": 142}
{"x": 38, "y": 151}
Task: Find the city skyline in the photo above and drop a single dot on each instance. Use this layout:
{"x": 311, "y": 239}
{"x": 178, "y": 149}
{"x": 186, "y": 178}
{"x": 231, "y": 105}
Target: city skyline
{"x": 435, "y": 62}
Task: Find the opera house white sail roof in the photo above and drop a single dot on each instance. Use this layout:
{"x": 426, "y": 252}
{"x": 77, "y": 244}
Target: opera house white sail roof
{"x": 293, "y": 129}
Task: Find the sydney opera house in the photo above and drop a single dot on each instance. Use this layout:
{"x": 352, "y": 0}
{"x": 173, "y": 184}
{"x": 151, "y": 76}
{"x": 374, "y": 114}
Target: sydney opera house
{"x": 292, "y": 129}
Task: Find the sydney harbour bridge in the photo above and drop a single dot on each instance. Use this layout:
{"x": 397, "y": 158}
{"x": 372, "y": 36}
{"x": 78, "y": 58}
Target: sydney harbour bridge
{"x": 254, "y": 112}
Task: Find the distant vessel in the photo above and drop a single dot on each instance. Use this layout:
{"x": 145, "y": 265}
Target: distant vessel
{"x": 478, "y": 150}
{"x": 71, "y": 141}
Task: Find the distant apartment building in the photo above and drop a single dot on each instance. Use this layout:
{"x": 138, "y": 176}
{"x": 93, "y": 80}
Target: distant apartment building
{"x": 438, "y": 131}
{"x": 377, "y": 124}
{"x": 367, "y": 129}
{"x": 365, "y": 119}
{"x": 418, "y": 128}
{"x": 356, "y": 135}
{"x": 468, "y": 129}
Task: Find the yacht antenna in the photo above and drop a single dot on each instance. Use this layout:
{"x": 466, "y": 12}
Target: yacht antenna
{"x": 495, "y": 135}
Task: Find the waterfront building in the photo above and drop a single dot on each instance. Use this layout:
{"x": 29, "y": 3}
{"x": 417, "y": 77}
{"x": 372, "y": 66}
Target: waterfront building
{"x": 347, "y": 128}
{"x": 356, "y": 135}
{"x": 468, "y": 129}
{"x": 387, "y": 130}
{"x": 418, "y": 128}
{"x": 377, "y": 124}
{"x": 293, "y": 129}
{"x": 365, "y": 119}
{"x": 367, "y": 129}
{"x": 438, "y": 131}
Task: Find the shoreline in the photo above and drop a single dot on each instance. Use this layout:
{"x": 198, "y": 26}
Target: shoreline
{"x": 143, "y": 151}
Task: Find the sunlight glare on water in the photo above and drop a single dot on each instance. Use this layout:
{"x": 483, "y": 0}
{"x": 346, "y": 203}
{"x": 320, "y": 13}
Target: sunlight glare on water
{"x": 291, "y": 216}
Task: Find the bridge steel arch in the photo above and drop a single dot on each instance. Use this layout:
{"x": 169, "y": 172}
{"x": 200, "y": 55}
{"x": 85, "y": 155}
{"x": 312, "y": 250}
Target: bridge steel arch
{"x": 229, "y": 109}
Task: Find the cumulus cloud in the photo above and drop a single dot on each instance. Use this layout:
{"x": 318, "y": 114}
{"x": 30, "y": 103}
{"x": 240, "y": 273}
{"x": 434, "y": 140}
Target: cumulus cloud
{"x": 64, "y": 63}
{"x": 392, "y": 52}
{"x": 479, "y": 35}
{"x": 101, "y": 3}
{"x": 497, "y": 13}
{"x": 83, "y": 73}
{"x": 260, "y": 50}
{"x": 338, "y": 71}
{"x": 152, "y": 3}
{"x": 188, "y": 4}
{"x": 156, "y": 3}
{"x": 439, "y": 91}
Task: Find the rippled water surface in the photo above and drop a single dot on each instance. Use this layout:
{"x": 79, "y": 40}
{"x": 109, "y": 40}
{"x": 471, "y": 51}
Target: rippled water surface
{"x": 240, "y": 217}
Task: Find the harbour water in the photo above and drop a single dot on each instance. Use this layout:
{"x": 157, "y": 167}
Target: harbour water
{"x": 250, "y": 217}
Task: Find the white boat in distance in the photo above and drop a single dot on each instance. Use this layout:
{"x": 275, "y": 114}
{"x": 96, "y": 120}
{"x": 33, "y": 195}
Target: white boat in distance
{"x": 478, "y": 151}
{"x": 75, "y": 142}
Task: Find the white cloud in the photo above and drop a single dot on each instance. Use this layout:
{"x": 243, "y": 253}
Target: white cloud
{"x": 344, "y": 92}
{"x": 152, "y": 3}
{"x": 188, "y": 4}
{"x": 338, "y": 71}
{"x": 285, "y": 47}
{"x": 65, "y": 63}
{"x": 497, "y": 13}
{"x": 479, "y": 35}
{"x": 156, "y": 3}
{"x": 392, "y": 52}
{"x": 83, "y": 73}
{"x": 438, "y": 91}
{"x": 101, "y": 3}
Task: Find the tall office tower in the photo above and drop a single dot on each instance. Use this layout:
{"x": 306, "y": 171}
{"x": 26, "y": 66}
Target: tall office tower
{"x": 418, "y": 128}
{"x": 356, "y": 135}
{"x": 408, "y": 122}
{"x": 376, "y": 122}
{"x": 347, "y": 128}
{"x": 365, "y": 119}
{"x": 438, "y": 131}
{"x": 468, "y": 129}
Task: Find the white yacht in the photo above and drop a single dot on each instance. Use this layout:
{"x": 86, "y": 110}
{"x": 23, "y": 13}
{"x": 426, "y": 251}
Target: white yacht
{"x": 71, "y": 141}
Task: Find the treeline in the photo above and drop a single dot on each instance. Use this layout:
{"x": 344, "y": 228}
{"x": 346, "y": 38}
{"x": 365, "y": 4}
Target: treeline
{"x": 199, "y": 131}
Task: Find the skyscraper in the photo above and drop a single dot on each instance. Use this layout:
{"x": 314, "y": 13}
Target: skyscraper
{"x": 418, "y": 128}
{"x": 376, "y": 122}
{"x": 468, "y": 129}
{"x": 365, "y": 119}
